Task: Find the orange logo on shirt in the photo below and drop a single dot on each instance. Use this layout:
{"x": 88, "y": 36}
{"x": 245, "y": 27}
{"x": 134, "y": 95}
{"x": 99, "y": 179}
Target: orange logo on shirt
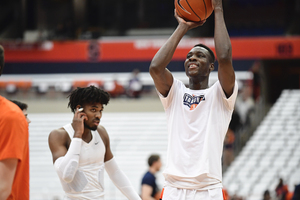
{"x": 192, "y": 101}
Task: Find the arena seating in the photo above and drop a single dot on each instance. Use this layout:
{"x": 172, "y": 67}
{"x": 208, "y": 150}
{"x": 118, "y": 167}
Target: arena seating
{"x": 272, "y": 152}
{"x": 133, "y": 137}
{"x": 69, "y": 80}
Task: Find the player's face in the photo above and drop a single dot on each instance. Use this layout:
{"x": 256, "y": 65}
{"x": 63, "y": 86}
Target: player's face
{"x": 158, "y": 164}
{"x": 197, "y": 62}
{"x": 94, "y": 114}
{"x": 26, "y": 115}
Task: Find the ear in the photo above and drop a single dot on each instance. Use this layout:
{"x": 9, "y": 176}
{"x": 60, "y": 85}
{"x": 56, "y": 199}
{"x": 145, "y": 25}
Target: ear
{"x": 212, "y": 67}
{"x": 78, "y": 106}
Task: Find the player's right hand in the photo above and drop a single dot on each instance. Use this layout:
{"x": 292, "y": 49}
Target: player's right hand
{"x": 190, "y": 24}
{"x": 78, "y": 123}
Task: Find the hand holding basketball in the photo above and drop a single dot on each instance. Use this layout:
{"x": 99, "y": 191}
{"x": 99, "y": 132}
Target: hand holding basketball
{"x": 190, "y": 24}
{"x": 194, "y": 10}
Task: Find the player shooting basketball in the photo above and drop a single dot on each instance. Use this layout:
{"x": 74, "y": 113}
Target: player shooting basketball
{"x": 197, "y": 116}
{"x": 81, "y": 150}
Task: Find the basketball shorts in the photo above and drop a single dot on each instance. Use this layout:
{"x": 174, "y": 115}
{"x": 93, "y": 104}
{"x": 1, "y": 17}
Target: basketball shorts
{"x": 171, "y": 193}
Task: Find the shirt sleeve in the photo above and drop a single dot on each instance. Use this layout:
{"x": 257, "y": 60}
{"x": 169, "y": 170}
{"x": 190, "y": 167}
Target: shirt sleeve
{"x": 148, "y": 180}
{"x": 166, "y": 101}
{"x": 14, "y": 135}
{"x": 230, "y": 101}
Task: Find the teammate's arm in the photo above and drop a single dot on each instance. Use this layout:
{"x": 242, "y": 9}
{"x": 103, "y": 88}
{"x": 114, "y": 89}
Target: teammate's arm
{"x": 8, "y": 169}
{"x": 105, "y": 138}
{"x": 223, "y": 50}
{"x": 161, "y": 76}
{"x": 114, "y": 172}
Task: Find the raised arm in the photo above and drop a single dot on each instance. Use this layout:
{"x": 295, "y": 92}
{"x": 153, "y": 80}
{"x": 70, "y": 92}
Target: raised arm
{"x": 65, "y": 160}
{"x": 223, "y": 50}
{"x": 161, "y": 76}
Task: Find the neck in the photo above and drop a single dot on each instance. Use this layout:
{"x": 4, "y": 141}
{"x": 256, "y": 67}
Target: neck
{"x": 196, "y": 84}
{"x": 87, "y": 135}
{"x": 152, "y": 170}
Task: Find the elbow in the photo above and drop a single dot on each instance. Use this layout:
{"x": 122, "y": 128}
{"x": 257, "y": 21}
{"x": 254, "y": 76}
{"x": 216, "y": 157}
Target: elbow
{"x": 153, "y": 69}
{"x": 68, "y": 179}
{"x": 226, "y": 55}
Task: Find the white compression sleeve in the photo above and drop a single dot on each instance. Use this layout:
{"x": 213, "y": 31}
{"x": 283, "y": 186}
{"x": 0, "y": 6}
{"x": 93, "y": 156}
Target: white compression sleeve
{"x": 120, "y": 180}
{"x": 67, "y": 165}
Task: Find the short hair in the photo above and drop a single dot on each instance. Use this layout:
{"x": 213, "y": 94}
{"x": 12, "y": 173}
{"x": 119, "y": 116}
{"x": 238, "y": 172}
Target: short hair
{"x": 1, "y": 59}
{"x": 22, "y": 106}
{"x": 213, "y": 58}
{"x": 87, "y": 95}
{"x": 153, "y": 158}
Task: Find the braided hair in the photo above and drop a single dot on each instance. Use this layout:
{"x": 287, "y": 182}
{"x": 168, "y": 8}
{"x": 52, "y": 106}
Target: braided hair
{"x": 87, "y": 95}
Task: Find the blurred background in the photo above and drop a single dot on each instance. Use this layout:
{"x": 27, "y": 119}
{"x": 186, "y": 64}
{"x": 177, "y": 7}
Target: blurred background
{"x": 54, "y": 46}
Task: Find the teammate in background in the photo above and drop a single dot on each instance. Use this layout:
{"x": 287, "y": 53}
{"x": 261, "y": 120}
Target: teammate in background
{"x": 150, "y": 190}
{"x": 198, "y": 116}
{"x": 23, "y": 107}
{"x": 81, "y": 149}
{"x": 14, "y": 149}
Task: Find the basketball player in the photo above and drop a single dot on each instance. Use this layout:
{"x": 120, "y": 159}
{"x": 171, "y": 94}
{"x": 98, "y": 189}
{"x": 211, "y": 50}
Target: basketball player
{"x": 81, "y": 150}
{"x": 23, "y": 107}
{"x": 14, "y": 149}
{"x": 197, "y": 116}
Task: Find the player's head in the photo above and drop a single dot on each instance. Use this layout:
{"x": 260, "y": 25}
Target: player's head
{"x": 154, "y": 161}
{"x": 1, "y": 59}
{"x": 23, "y": 107}
{"x": 199, "y": 61}
{"x": 91, "y": 99}
{"x": 211, "y": 53}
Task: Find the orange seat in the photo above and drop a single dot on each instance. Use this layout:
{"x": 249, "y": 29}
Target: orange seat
{"x": 24, "y": 85}
{"x": 3, "y": 84}
{"x": 80, "y": 83}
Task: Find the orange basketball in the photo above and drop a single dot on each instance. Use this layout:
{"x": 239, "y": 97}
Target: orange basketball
{"x": 193, "y": 10}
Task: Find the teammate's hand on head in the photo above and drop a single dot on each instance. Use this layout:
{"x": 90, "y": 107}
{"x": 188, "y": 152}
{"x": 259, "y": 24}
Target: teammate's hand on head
{"x": 190, "y": 24}
{"x": 78, "y": 122}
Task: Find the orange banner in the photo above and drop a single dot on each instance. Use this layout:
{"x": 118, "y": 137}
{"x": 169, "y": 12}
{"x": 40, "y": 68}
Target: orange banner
{"x": 145, "y": 49}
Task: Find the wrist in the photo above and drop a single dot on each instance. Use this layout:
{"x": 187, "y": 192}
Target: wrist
{"x": 183, "y": 27}
{"x": 218, "y": 8}
{"x": 77, "y": 135}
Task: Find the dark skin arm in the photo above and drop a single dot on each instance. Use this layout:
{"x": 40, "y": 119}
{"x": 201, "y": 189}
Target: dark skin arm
{"x": 223, "y": 50}
{"x": 161, "y": 76}
{"x": 105, "y": 138}
{"x": 59, "y": 139}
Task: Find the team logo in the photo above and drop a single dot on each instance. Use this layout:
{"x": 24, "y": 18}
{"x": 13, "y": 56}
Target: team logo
{"x": 192, "y": 101}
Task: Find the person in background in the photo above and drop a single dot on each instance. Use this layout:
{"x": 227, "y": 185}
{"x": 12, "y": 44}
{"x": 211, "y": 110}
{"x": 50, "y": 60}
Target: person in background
{"x": 14, "y": 149}
{"x": 281, "y": 190}
{"x": 23, "y": 107}
{"x": 81, "y": 149}
{"x": 267, "y": 195}
{"x": 135, "y": 85}
{"x": 150, "y": 190}
{"x": 296, "y": 195}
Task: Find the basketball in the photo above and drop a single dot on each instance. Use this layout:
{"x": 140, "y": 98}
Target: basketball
{"x": 193, "y": 10}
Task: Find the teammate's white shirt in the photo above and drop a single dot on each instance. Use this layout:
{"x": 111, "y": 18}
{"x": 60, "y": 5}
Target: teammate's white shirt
{"x": 88, "y": 182}
{"x": 197, "y": 124}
